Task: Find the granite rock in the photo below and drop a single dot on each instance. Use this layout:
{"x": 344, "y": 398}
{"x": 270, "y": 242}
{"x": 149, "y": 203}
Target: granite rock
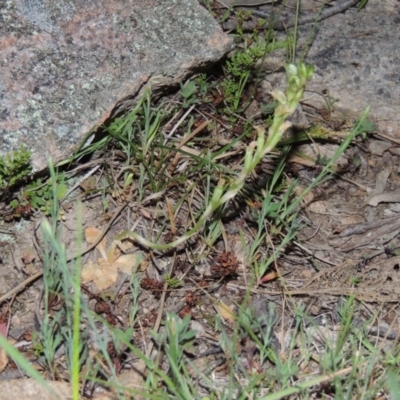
{"x": 67, "y": 65}
{"x": 357, "y": 58}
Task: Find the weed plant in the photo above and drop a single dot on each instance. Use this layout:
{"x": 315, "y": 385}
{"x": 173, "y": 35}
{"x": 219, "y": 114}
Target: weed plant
{"x": 14, "y": 167}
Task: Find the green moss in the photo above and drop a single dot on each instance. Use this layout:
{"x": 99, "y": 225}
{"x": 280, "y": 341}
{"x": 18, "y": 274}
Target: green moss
{"x": 14, "y": 167}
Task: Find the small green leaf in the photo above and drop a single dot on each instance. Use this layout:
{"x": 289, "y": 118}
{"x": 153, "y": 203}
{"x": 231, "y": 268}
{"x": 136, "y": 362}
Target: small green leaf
{"x": 61, "y": 191}
{"x": 365, "y": 126}
{"x": 33, "y": 203}
{"x": 189, "y": 89}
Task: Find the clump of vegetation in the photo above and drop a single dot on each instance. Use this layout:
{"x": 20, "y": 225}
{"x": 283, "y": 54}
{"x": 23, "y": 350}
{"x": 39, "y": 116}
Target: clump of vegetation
{"x": 39, "y": 196}
{"x": 14, "y": 167}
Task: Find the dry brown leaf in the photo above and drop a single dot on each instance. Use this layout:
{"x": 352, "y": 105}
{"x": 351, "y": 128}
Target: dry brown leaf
{"x": 28, "y": 255}
{"x": 101, "y": 273}
{"x": 269, "y": 277}
{"x": 104, "y": 272}
{"x": 225, "y": 312}
{"x": 88, "y": 184}
{"x": 145, "y": 213}
{"x": 126, "y": 262}
{"x": 143, "y": 266}
{"x": 92, "y": 234}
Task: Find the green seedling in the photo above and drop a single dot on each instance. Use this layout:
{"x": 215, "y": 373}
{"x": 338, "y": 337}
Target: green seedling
{"x": 362, "y": 4}
{"x": 177, "y": 338}
{"x": 173, "y": 282}
{"x": 241, "y": 69}
{"x": 188, "y": 91}
{"x": 366, "y": 127}
{"x": 202, "y": 84}
{"x": 40, "y": 195}
{"x": 242, "y": 16}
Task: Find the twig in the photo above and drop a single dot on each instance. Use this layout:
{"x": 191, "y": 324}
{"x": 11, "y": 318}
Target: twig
{"x": 387, "y": 137}
{"x": 178, "y": 124}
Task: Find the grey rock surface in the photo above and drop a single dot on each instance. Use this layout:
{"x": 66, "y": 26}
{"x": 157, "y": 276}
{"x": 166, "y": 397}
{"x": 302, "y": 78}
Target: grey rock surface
{"x": 357, "y": 59}
{"x": 67, "y": 64}
{"x": 356, "y": 55}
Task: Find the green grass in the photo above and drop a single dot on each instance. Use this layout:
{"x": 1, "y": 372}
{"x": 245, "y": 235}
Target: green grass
{"x": 188, "y": 165}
